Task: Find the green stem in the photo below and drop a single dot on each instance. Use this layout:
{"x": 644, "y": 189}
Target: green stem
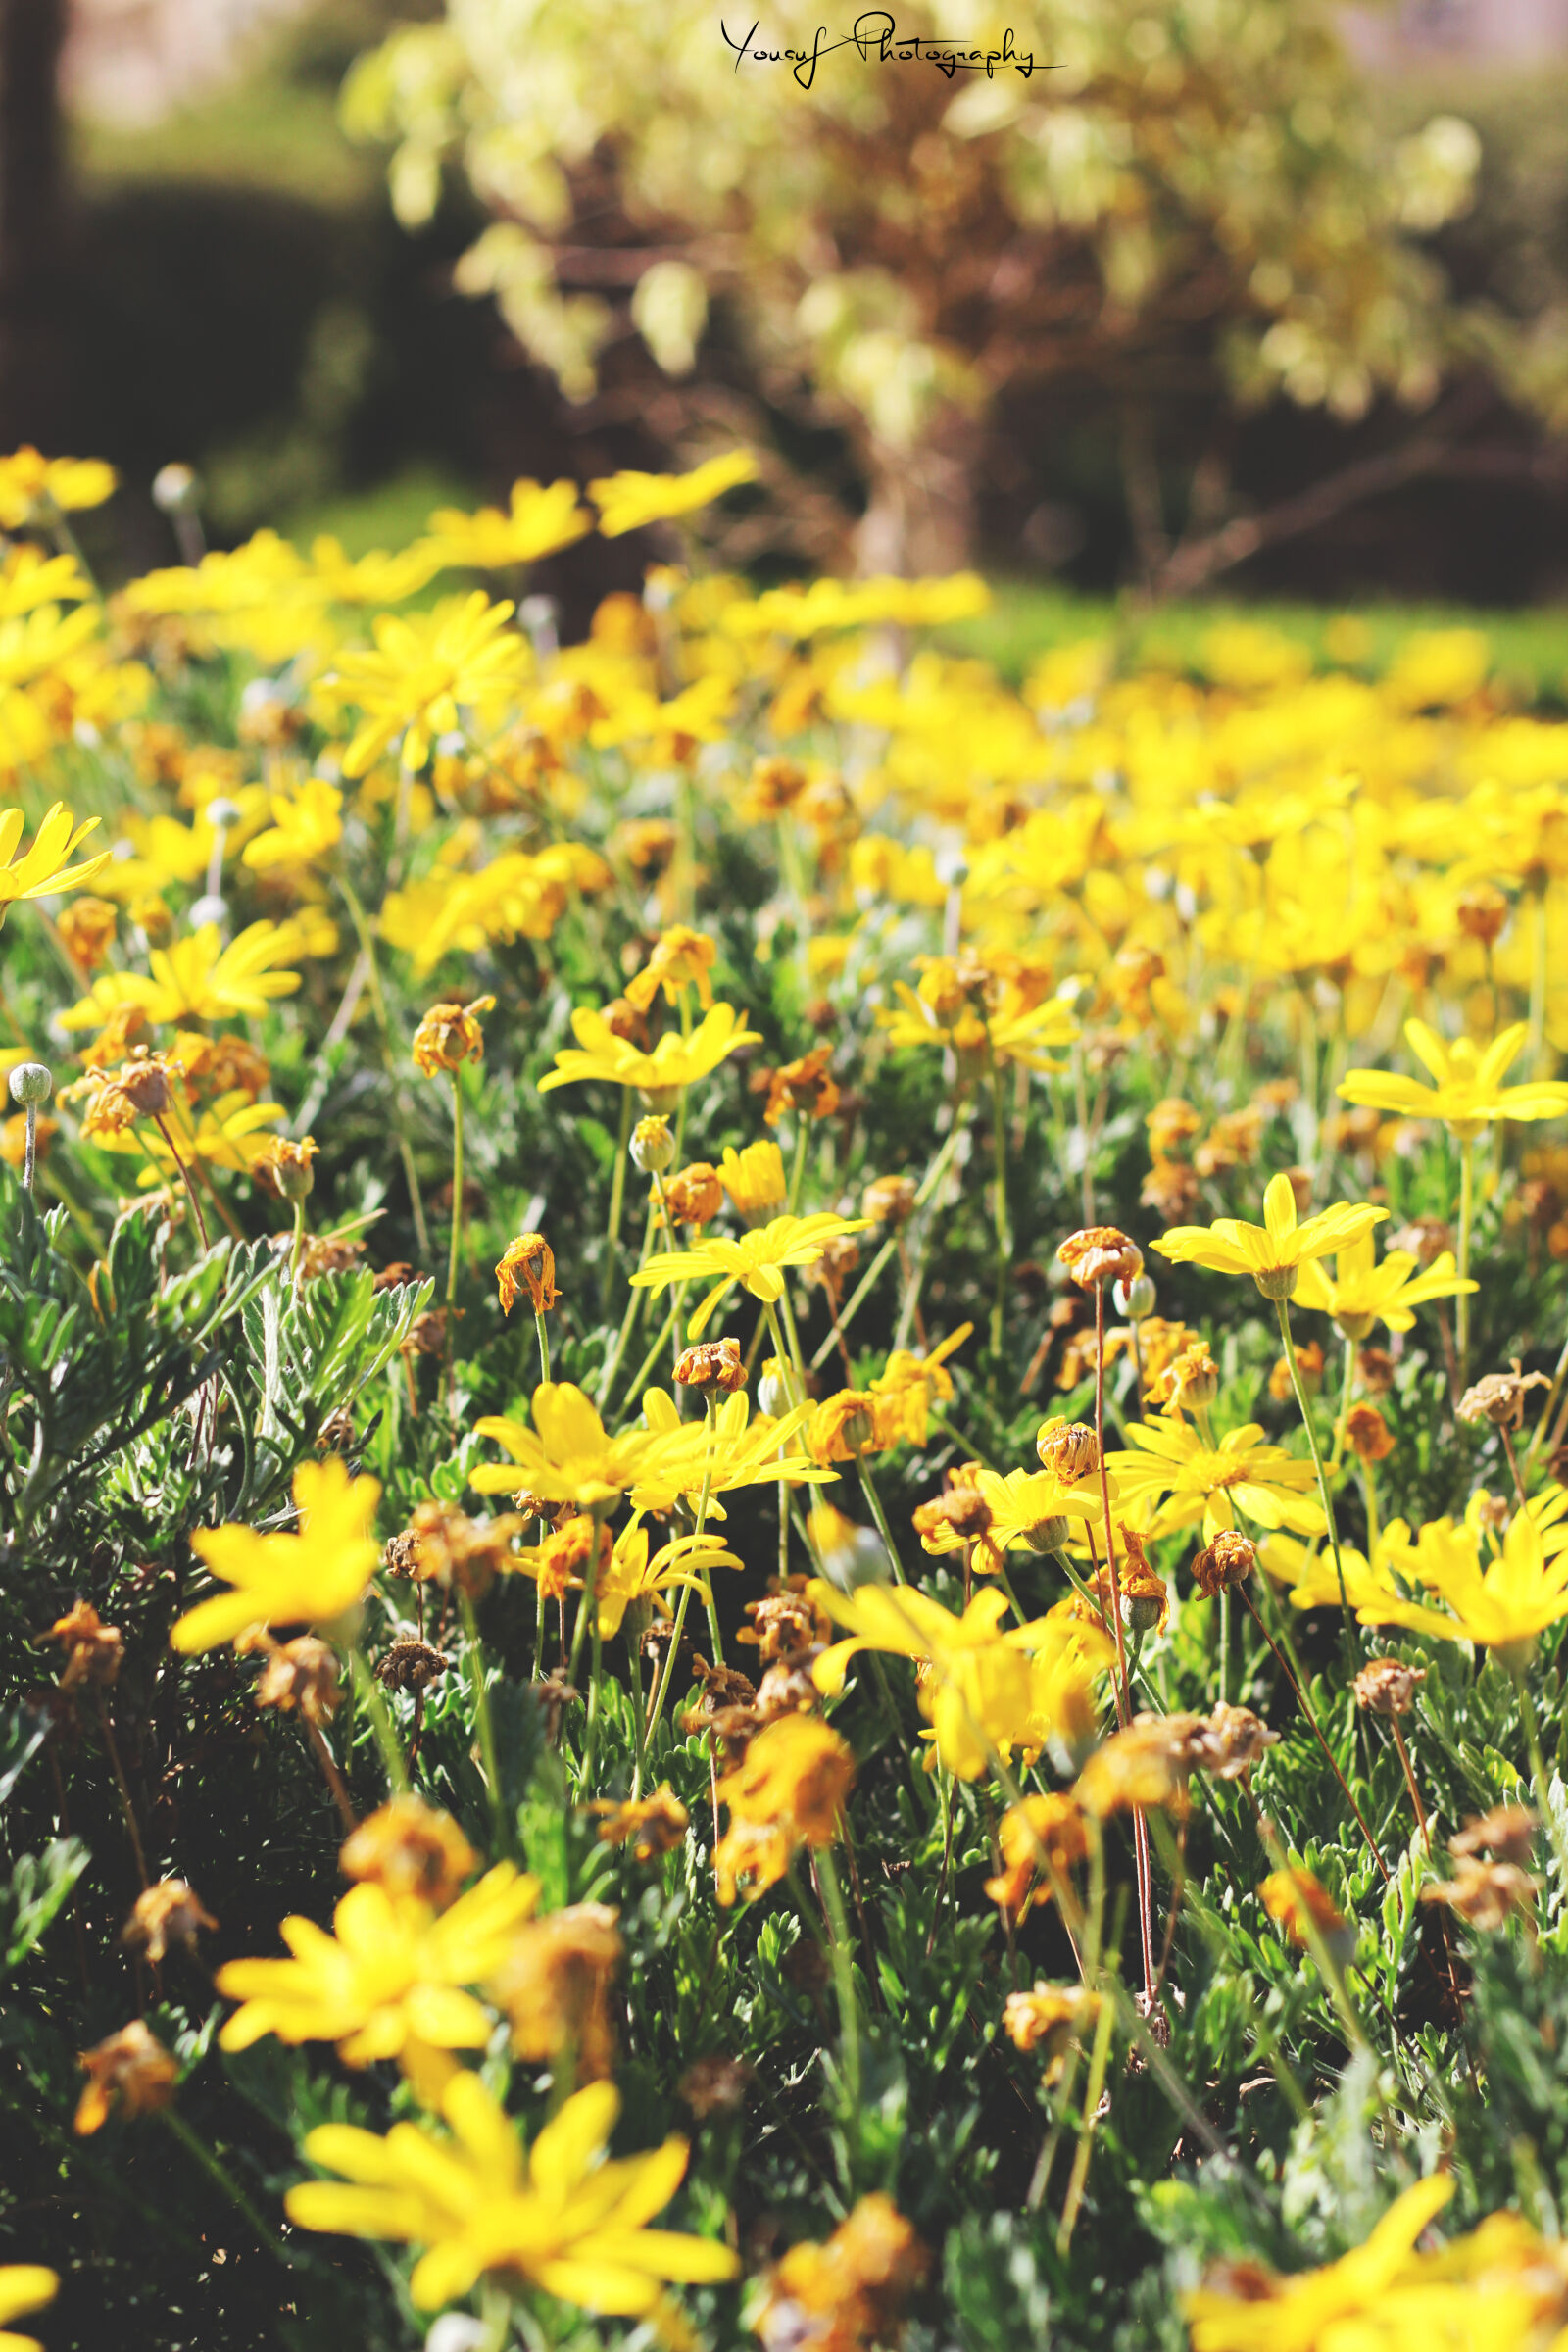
{"x": 618, "y": 1197}
{"x": 880, "y": 1516}
{"x": 456, "y": 1198}
{"x": 802, "y": 1138}
{"x": 1351, "y": 1638}
{"x": 202, "y": 2154}
{"x": 474, "y": 1649}
{"x": 629, "y": 1322}
{"x": 544, "y": 1346}
{"x": 387, "y": 1737}
{"x": 1539, "y": 942}
{"x": 999, "y": 1120}
{"x": 372, "y": 974}
{"x": 1466, "y": 1210}
{"x": 1342, "y": 1420}
{"x": 668, "y": 1675}
{"x": 843, "y": 1978}
{"x": 298, "y": 1258}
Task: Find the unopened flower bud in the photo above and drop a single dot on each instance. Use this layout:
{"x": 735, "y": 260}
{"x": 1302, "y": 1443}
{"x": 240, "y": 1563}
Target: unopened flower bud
{"x": 175, "y": 489}
{"x": 32, "y": 1081}
{"x": 209, "y": 909}
{"x": 653, "y": 1146}
{"x": 773, "y": 1389}
{"x": 1134, "y": 1300}
{"x": 221, "y": 812}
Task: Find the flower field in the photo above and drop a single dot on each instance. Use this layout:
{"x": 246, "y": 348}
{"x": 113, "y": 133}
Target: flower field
{"x": 782, "y": 1448}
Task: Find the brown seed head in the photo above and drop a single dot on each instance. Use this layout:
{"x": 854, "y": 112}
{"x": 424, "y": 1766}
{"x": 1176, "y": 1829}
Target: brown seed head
{"x": 1098, "y": 1254}
{"x": 410, "y": 1665}
{"x": 1225, "y": 1563}
{"x": 1387, "y": 1686}
{"x": 301, "y": 1674}
{"x": 1232, "y": 1742}
{"x": 554, "y": 1988}
{"x": 1500, "y": 1397}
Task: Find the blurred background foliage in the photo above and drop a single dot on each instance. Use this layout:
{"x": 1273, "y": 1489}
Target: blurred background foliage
{"x": 230, "y": 283}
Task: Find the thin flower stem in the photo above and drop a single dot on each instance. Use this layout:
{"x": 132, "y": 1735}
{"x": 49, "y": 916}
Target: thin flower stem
{"x": 711, "y": 1429}
{"x": 634, "y": 1306}
{"x": 127, "y": 1809}
{"x": 1343, "y": 1417}
{"x": 1466, "y": 1212}
{"x": 474, "y": 1651}
{"x": 998, "y": 1121}
{"x": 1092, "y": 2093}
{"x": 331, "y": 1775}
{"x": 668, "y": 1675}
{"x": 297, "y": 1261}
{"x": 185, "y": 1179}
{"x": 861, "y": 1293}
{"x": 544, "y": 1346}
{"x": 197, "y": 2148}
{"x": 1306, "y": 1705}
{"x": 456, "y": 1257}
{"x": 802, "y": 1138}
{"x": 645, "y": 1368}
{"x": 1506, "y": 1435}
{"x": 1080, "y": 1104}
{"x": 617, "y": 1197}
{"x": 411, "y": 1174}
{"x": 29, "y": 1164}
{"x": 1333, "y": 1977}
{"x": 880, "y": 1516}
{"x": 843, "y": 1976}
{"x": 368, "y": 1691}
{"x": 1351, "y": 1643}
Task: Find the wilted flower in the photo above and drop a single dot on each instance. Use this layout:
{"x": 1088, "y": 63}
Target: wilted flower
{"x": 694, "y": 1196}
{"x": 1069, "y": 1449}
{"x": 163, "y": 1915}
{"x": 651, "y": 1826}
{"x": 553, "y": 1985}
{"x": 712, "y": 1364}
{"x": 790, "y": 1791}
{"x": 1098, "y": 1254}
{"x": 1048, "y": 2018}
{"x": 890, "y": 1200}
{"x": 300, "y": 1674}
{"x": 409, "y": 1848}
{"x": 449, "y": 1035}
{"x": 93, "y": 1650}
{"x": 1231, "y": 1742}
{"x": 847, "y": 2293}
{"x": 803, "y": 1087}
{"x": 1486, "y": 1894}
{"x": 1500, "y": 1397}
{"x": 1367, "y": 1434}
{"x": 132, "y": 2071}
{"x": 527, "y": 1263}
{"x": 1387, "y": 1686}
{"x": 1507, "y": 1829}
{"x": 1225, "y": 1563}
{"x": 1143, "y": 1767}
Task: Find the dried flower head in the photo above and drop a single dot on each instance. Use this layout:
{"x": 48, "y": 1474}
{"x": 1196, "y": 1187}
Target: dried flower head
{"x": 1387, "y": 1686}
{"x": 1231, "y": 1742}
{"x": 1040, "y": 1840}
{"x": 408, "y": 1664}
{"x": 651, "y": 1827}
{"x": 527, "y": 1263}
{"x": 790, "y": 1791}
{"x": 1048, "y": 2020}
{"x": 890, "y": 1200}
{"x": 93, "y": 1650}
{"x": 130, "y": 2071}
{"x": 1225, "y": 1563}
{"x": 784, "y": 1625}
{"x": 712, "y": 1364}
{"x": 1143, "y": 1767}
{"x": 285, "y": 1167}
{"x": 411, "y": 1849}
{"x": 301, "y": 1674}
{"x": 803, "y": 1087}
{"x": 1500, "y": 1397}
{"x": 170, "y": 1913}
{"x": 694, "y": 1195}
{"x": 443, "y": 1545}
{"x": 714, "y": 2086}
{"x": 449, "y": 1035}
{"x": 1098, "y": 1254}
{"x": 1069, "y": 1449}
{"x": 1485, "y": 1894}
{"x": 554, "y": 1988}
{"x": 1190, "y": 1381}
{"x": 847, "y": 2293}
{"x": 960, "y": 1509}
{"x": 1508, "y": 1831}
{"x": 1367, "y": 1434}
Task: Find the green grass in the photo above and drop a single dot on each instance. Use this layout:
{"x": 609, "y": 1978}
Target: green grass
{"x": 1530, "y": 648}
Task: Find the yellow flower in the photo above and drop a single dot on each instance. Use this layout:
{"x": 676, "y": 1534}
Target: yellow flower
{"x": 378, "y": 578}
{"x": 680, "y": 959}
{"x": 789, "y": 1791}
{"x": 567, "y": 1456}
{"x": 675, "y": 1061}
{"x": 629, "y": 501}
{"x": 1503, "y": 1605}
{"x": 536, "y": 522}
{"x": 739, "y": 1449}
{"x": 283, "y": 1579}
{"x": 978, "y": 1690}
{"x": 424, "y": 672}
{"x": 306, "y": 824}
{"x": 46, "y": 868}
{"x": 569, "y": 2223}
{"x": 1362, "y": 1293}
{"x": 1468, "y": 1092}
{"x": 631, "y": 1574}
{"x": 1211, "y": 1483}
{"x": 906, "y": 1386}
{"x": 754, "y": 1178}
{"x": 199, "y": 979}
{"x": 1029, "y": 1508}
{"x": 757, "y": 1262}
{"x": 24, "y": 2286}
{"x": 31, "y": 484}
{"x": 1275, "y": 1252}
{"x": 388, "y": 1981}
{"x": 1015, "y": 1031}
{"x": 1313, "y": 2309}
